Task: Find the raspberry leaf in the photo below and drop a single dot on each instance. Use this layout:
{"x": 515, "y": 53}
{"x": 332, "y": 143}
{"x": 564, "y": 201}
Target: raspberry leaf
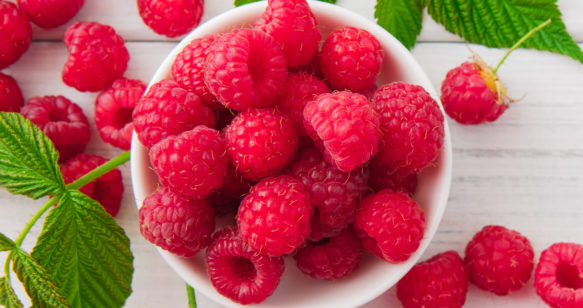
{"x": 28, "y": 159}
{"x": 86, "y": 253}
{"x": 500, "y": 23}
{"x": 7, "y": 296}
{"x": 402, "y": 18}
{"x": 5, "y": 243}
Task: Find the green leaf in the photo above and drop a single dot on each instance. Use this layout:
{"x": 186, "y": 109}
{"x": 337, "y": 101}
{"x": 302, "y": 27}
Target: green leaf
{"x": 86, "y": 252}
{"x": 28, "y": 160}
{"x": 329, "y": 1}
{"x": 241, "y": 2}
{"x": 5, "y": 243}
{"x": 402, "y": 18}
{"x": 36, "y": 281}
{"x": 500, "y": 23}
{"x": 7, "y": 296}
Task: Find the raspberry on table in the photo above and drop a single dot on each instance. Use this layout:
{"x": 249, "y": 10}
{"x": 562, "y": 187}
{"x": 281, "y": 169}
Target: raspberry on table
{"x": 62, "y": 121}
{"x": 51, "y": 13}
{"x": 299, "y": 89}
{"x": 261, "y": 142}
{"x": 107, "y": 189}
{"x": 16, "y": 34}
{"x": 166, "y": 110}
{"x": 345, "y": 128}
{"x": 440, "y": 281}
{"x": 239, "y": 272}
{"x": 171, "y": 18}
{"x": 274, "y": 218}
{"x": 558, "y": 278}
{"x": 351, "y": 58}
{"x": 294, "y": 26}
{"x": 412, "y": 126}
{"x": 97, "y": 56}
{"x": 11, "y": 99}
{"x": 382, "y": 176}
{"x": 393, "y": 223}
{"x": 113, "y": 111}
{"x": 330, "y": 259}
{"x": 245, "y": 69}
{"x": 193, "y": 163}
{"x": 499, "y": 260}
{"x": 176, "y": 223}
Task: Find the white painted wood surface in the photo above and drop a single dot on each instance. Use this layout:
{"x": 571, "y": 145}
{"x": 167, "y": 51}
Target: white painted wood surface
{"x": 525, "y": 171}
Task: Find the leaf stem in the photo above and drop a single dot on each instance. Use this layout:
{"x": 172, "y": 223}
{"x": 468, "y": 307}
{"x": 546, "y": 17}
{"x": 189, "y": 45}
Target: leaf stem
{"x": 7, "y": 266}
{"x": 191, "y": 296}
{"x": 34, "y": 219}
{"x": 522, "y": 39}
{"x": 99, "y": 171}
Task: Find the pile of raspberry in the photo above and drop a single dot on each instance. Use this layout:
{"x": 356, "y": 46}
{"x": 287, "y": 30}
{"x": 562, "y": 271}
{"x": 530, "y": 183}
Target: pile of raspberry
{"x": 286, "y": 130}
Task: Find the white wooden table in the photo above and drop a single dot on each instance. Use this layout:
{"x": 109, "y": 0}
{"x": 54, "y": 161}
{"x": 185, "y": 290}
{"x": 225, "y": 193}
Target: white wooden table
{"x": 525, "y": 171}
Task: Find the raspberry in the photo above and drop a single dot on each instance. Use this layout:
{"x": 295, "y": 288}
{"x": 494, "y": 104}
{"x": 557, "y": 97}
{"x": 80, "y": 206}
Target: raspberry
{"x": 335, "y": 193}
{"x": 472, "y": 94}
{"x": 62, "y": 121}
{"x": 330, "y": 259}
{"x": 261, "y": 142}
{"x": 299, "y": 89}
{"x": 193, "y": 163}
{"x": 345, "y": 126}
{"x": 558, "y": 278}
{"x": 11, "y": 99}
{"x": 113, "y": 111}
{"x": 107, "y": 189}
{"x": 382, "y": 176}
{"x": 499, "y": 260}
{"x": 240, "y": 273}
{"x": 16, "y": 33}
{"x": 292, "y": 24}
{"x": 97, "y": 56}
{"x": 394, "y": 221}
{"x": 411, "y": 126}
{"x": 188, "y": 70}
{"x": 171, "y": 18}
{"x": 51, "y": 13}
{"x": 438, "y": 282}
{"x": 167, "y": 110}
{"x": 175, "y": 223}
{"x": 351, "y": 58}
{"x": 245, "y": 69}
{"x": 274, "y": 218}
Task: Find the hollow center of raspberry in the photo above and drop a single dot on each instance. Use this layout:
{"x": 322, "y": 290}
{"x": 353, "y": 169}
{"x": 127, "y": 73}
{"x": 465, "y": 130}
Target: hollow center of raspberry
{"x": 569, "y": 276}
{"x": 122, "y": 117}
{"x": 257, "y": 66}
{"x": 58, "y": 115}
{"x": 243, "y": 268}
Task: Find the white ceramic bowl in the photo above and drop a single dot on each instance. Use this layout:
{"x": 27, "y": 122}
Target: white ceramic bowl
{"x": 373, "y": 276}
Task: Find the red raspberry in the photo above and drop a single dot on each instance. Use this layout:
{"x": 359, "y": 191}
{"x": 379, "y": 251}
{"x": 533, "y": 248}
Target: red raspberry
{"x": 240, "y": 273}
{"x": 274, "y": 218}
{"x": 330, "y": 259}
{"x": 171, "y": 18}
{"x": 335, "y": 193}
{"x": 188, "y": 70}
{"x": 394, "y": 221}
{"x": 292, "y": 24}
{"x": 107, "y": 189}
{"x": 438, "y": 282}
{"x": 245, "y": 69}
{"x": 411, "y": 126}
{"x": 51, "y": 13}
{"x": 193, "y": 163}
{"x": 261, "y": 142}
{"x": 168, "y": 110}
{"x": 382, "y": 177}
{"x": 499, "y": 260}
{"x": 62, "y": 121}
{"x": 558, "y": 278}
{"x": 97, "y": 56}
{"x": 175, "y": 223}
{"x": 113, "y": 111}
{"x": 472, "y": 94}
{"x": 11, "y": 99}
{"x": 16, "y": 33}
{"x": 346, "y": 126}
{"x": 351, "y": 58}
{"x": 299, "y": 89}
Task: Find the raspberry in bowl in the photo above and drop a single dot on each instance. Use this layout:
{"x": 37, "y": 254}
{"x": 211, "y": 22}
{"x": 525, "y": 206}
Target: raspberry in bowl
{"x": 373, "y": 275}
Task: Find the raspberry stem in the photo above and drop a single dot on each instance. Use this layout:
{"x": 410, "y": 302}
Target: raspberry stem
{"x": 191, "y": 296}
{"x": 99, "y": 171}
{"x": 522, "y": 39}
